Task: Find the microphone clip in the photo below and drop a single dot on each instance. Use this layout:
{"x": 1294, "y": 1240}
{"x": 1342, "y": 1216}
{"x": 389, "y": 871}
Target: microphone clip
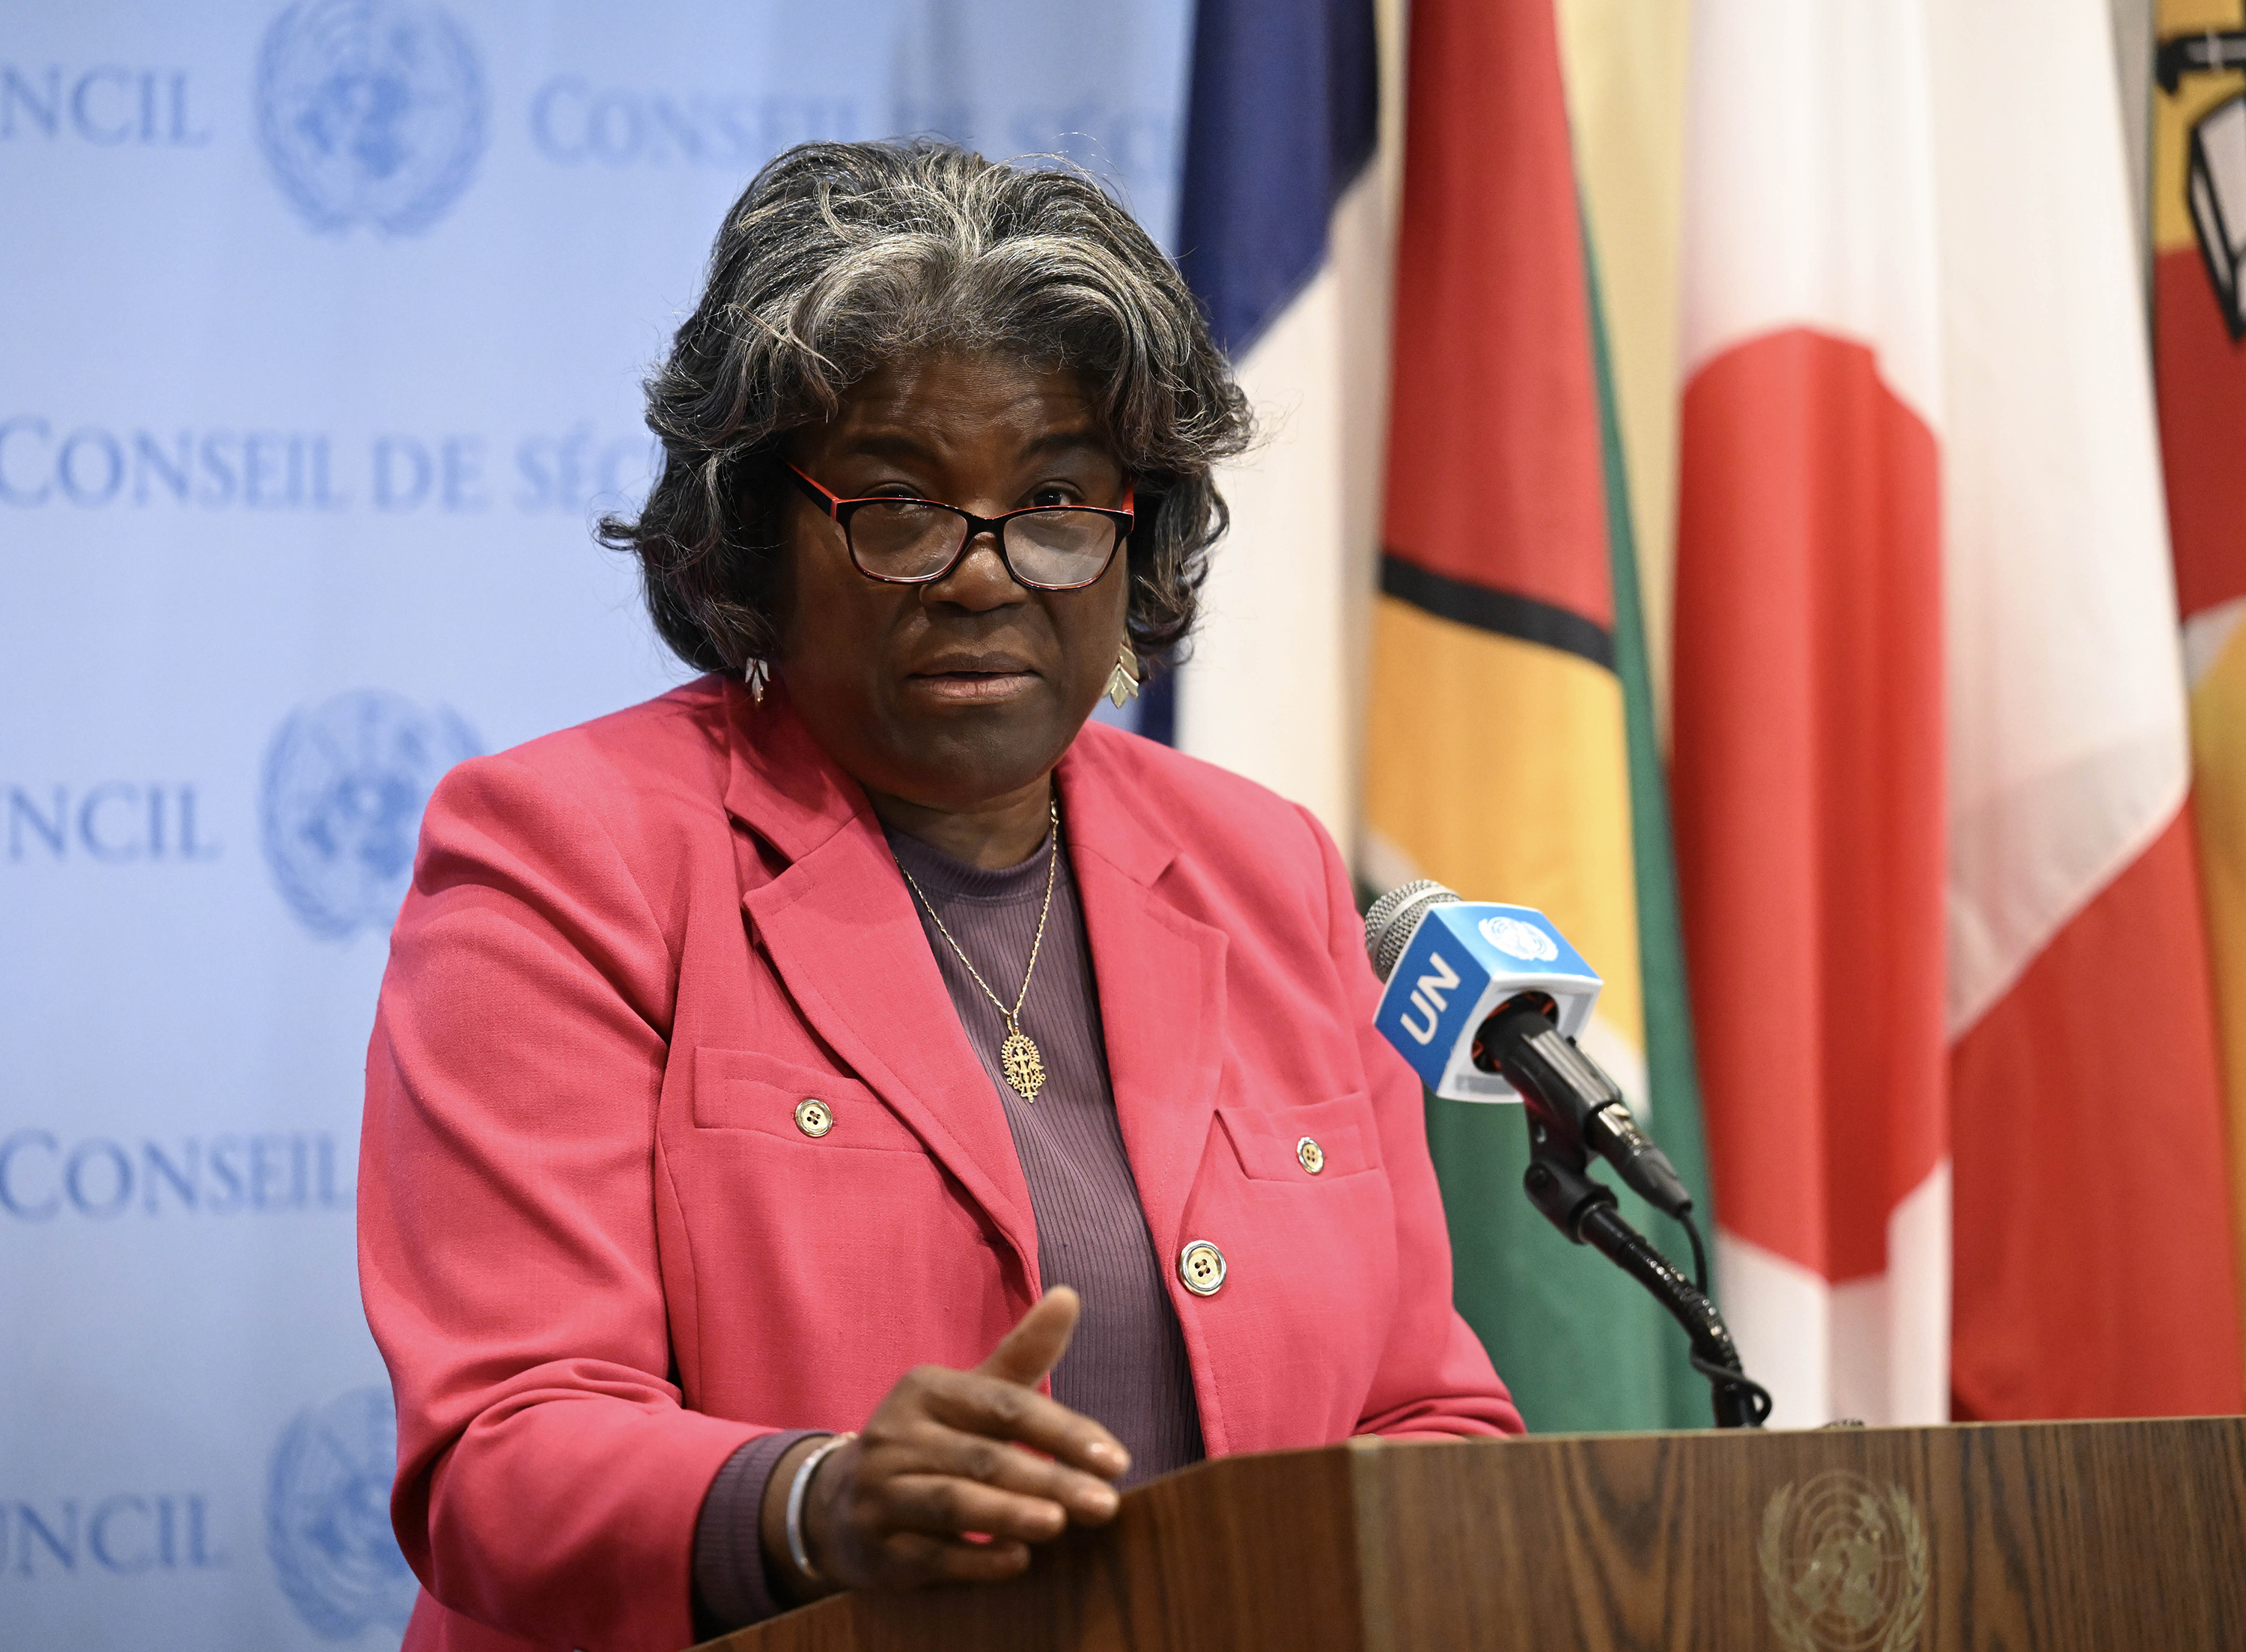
{"x": 1574, "y": 1099}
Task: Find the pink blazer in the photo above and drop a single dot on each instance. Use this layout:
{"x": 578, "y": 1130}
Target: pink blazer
{"x": 598, "y": 1255}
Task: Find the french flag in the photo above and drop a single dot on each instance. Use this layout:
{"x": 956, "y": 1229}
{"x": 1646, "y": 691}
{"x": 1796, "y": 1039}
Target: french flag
{"x": 1284, "y": 232}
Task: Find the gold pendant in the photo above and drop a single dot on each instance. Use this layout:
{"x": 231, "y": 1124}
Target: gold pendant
{"x": 1023, "y": 1067}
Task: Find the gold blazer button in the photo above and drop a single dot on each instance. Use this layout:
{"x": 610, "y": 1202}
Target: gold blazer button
{"x": 1201, "y": 1266}
{"x": 1312, "y": 1155}
{"x": 813, "y": 1116}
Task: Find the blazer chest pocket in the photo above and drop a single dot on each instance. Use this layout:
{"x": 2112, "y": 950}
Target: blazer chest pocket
{"x": 745, "y": 1090}
{"x": 1322, "y": 1143}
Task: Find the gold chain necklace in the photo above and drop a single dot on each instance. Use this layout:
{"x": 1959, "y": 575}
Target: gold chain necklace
{"x": 1018, "y": 1057}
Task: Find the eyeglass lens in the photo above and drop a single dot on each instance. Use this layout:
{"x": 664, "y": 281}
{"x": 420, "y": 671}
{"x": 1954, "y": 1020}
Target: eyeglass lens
{"x": 905, "y": 539}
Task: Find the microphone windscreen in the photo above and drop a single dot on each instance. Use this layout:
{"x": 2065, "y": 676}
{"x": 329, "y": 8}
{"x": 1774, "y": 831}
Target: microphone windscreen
{"x": 1389, "y": 923}
{"x": 1449, "y": 963}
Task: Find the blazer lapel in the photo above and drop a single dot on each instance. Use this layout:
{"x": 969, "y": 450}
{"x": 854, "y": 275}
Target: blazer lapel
{"x": 840, "y": 928}
{"x": 1160, "y": 976}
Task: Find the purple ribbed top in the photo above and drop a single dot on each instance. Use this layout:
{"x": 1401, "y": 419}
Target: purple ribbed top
{"x": 1127, "y": 1367}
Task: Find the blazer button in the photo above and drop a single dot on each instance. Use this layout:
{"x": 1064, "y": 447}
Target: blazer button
{"x": 813, "y": 1116}
{"x": 1313, "y": 1157}
{"x": 1201, "y": 1266}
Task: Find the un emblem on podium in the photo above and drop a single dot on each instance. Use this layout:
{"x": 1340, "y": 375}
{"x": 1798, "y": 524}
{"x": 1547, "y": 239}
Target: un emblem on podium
{"x": 327, "y": 1518}
{"x": 1844, "y": 1567}
{"x": 345, "y": 783}
{"x": 370, "y": 111}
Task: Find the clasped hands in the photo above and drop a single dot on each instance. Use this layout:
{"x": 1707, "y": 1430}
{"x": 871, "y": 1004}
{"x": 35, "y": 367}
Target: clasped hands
{"x": 945, "y": 1454}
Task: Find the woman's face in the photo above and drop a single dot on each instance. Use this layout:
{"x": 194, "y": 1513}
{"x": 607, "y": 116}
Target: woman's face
{"x": 955, "y": 694}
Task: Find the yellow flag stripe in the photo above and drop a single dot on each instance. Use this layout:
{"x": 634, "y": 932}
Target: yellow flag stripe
{"x": 2174, "y": 116}
{"x": 2218, "y": 739}
{"x": 1627, "y": 64}
{"x": 1541, "y": 816}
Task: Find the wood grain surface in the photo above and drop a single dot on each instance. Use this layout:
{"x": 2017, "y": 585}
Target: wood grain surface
{"x": 1244, "y": 1552}
{"x": 2059, "y": 1536}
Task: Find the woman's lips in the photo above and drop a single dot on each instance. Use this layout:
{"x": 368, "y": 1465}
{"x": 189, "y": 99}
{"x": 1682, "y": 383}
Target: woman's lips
{"x": 972, "y": 688}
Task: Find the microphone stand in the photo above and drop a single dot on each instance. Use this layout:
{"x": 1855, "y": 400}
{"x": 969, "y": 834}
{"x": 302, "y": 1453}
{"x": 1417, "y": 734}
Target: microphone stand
{"x": 1559, "y": 1184}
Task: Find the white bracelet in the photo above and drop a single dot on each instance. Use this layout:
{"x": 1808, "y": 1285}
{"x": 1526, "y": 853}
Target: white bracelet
{"x": 798, "y": 1489}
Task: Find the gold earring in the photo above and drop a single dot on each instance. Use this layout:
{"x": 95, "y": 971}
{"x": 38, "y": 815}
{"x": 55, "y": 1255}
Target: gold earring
{"x": 757, "y": 675}
{"x": 1123, "y": 681}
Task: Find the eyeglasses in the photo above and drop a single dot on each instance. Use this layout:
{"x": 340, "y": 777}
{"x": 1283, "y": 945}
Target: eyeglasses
{"x": 900, "y": 541}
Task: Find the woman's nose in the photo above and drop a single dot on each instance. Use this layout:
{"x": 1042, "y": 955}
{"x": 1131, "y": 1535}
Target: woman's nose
{"x": 980, "y": 581}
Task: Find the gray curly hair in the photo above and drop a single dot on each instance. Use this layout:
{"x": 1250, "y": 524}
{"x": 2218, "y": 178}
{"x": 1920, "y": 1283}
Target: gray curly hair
{"x": 841, "y": 257}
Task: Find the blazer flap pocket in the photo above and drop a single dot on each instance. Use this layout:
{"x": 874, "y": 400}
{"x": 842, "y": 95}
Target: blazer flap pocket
{"x": 1318, "y": 1142}
{"x": 746, "y": 1089}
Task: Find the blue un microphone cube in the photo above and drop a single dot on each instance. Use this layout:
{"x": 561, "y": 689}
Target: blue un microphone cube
{"x": 1464, "y": 959}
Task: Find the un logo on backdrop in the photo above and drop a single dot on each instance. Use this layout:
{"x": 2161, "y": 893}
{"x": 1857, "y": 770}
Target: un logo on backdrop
{"x": 327, "y": 1516}
{"x": 345, "y": 783}
{"x": 370, "y": 111}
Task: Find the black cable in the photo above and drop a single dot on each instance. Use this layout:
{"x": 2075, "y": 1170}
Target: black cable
{"x": 1758, "y": 1396}
{"x": 1559, "y": 1184}
{"x": 1699, "y": 1256}
{"x": 1739, "y": 1401}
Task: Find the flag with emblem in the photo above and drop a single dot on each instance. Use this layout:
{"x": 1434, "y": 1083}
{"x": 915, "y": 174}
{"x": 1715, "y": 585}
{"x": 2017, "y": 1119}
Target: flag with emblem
{"x": 2199, "y": 330}
{"x": 1943, "y": 918}
{"x": 1510, "y": 748}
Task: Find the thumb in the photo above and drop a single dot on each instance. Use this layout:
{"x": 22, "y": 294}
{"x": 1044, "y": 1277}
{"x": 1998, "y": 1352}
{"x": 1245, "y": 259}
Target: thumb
{"x": 1039, "y": 1338}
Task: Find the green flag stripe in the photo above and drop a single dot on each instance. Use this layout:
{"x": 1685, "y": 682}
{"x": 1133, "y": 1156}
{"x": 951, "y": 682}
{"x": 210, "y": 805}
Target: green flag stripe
{"x": 1673, "y": 1076}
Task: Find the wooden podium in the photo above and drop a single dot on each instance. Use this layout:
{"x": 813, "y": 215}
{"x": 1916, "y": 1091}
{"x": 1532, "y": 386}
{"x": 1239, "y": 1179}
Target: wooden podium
{"x": 2100, "y": 1536}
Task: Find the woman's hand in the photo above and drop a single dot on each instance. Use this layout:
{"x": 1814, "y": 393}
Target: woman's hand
{"x": 942, "y": 1456}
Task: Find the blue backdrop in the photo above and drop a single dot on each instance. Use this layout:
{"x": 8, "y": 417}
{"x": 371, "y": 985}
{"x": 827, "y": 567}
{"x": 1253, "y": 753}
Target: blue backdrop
{"x": 320, "y": 330}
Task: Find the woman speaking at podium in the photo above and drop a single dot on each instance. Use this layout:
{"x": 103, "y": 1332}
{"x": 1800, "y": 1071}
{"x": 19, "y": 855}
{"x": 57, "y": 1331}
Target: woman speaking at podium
{"x": 831, "y": 1125}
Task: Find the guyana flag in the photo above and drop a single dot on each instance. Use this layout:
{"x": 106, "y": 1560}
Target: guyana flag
{"x": 1511, "y": 749}
{"x": 2199, "y": 328}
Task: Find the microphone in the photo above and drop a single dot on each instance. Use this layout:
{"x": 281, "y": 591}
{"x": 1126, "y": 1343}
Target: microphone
{"x": 1484, "y": 1001}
